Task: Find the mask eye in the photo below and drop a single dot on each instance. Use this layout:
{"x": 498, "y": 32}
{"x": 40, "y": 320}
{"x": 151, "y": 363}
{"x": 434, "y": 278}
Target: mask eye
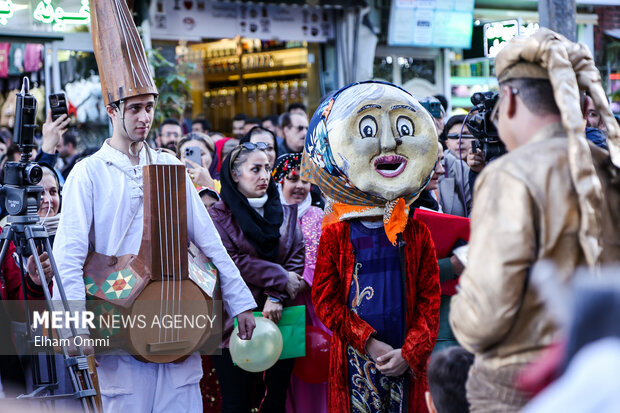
{"x": 368, "y": 127}
{"x": 404, "y": 126}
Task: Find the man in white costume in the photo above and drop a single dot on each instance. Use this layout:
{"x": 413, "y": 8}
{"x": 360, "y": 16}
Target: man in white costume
{"x": 102, "y": 205}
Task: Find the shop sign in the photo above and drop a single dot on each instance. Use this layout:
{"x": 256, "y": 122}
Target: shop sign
{"x": 497, "y": 34}
{"x": 6, "y": 11}
{"x": 431, "y": 23}
{"x": 44, "y": 14}
{"x": 197, "y": 20}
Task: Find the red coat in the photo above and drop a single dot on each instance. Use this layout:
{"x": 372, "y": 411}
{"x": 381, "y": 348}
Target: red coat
{"x": 330, "y": 291}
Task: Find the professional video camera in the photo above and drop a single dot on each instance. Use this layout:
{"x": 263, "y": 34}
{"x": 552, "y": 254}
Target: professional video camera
{"x": 482, "y": 128}
{"x": 21, "y": 195}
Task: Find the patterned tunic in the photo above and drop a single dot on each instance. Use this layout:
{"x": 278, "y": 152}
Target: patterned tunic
{"x": 376, "y": 295}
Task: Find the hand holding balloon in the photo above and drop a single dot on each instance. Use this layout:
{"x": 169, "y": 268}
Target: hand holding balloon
{"x": 246, "y": 325}
{"x": 261, "y": 351}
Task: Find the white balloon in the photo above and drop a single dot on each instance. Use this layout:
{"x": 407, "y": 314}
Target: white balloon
{"x": 262, "y": 351}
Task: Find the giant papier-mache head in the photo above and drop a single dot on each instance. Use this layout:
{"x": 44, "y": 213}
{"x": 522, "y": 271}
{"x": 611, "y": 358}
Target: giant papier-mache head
{"x": 372, "y": 149}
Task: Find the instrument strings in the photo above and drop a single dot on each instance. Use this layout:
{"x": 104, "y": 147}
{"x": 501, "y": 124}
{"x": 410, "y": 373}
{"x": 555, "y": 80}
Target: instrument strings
{"x": 169, "y": 246}
{"x": 180, "y": 248}
{"x": 161, "y": 255}
{"x": 171, "y": 251}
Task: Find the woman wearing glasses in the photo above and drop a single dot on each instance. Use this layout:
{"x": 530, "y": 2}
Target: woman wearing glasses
{"x": 262, "y": 238}
{"x": 454, "y": 189}
{"x": 259, "y": 134}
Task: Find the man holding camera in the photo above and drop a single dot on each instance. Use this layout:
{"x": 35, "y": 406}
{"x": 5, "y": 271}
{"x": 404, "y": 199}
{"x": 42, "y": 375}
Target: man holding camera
{"x": 538, "y": 202}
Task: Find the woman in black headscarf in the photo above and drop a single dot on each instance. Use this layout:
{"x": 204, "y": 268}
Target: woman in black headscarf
{"x": 261, "y": 236}
{"x": 259, "y": 134}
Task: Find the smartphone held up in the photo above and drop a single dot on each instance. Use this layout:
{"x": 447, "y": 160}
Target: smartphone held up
{"x": 58, "y": 105}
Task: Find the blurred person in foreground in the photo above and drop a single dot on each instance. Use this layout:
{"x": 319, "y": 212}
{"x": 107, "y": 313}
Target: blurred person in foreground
{"x": 548, "y": 198}
{"x": 447, "y": 375}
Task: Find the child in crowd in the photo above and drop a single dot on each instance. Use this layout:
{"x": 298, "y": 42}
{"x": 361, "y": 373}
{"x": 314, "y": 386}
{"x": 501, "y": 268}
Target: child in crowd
{"x": 447, "y": 374}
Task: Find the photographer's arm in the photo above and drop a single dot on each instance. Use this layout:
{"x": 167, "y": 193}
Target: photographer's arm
{"x": 53, "y": 131}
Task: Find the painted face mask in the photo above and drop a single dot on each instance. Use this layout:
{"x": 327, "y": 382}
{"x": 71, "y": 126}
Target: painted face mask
{"x": 371, "y": 149}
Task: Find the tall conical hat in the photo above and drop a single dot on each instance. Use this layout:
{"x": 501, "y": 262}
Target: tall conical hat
{"x": 123, "y": 67}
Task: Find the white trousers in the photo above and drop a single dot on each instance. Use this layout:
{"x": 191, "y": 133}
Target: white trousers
{"x": 128, "y": 385}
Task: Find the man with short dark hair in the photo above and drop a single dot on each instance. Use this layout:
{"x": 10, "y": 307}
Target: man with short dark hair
{"x": 168, "y": 134}
{"x": 270, "y": 123}
{"x": 238, "y": 123}
{"x": 67, "y": 152}
{"x": 294, "y": 129}
{"x": 297, "y": 108}
{"x": 201, "y": 125}
{"x": 541, "y": 201}
{"x": 447, "y": 375}
{"x": 249, "y": 124}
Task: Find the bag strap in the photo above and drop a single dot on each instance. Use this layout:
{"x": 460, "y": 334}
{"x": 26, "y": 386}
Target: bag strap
{"x": 120, "y": 241}
{"x": 118, "y": 246}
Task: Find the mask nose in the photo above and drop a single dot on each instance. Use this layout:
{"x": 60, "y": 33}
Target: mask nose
{"x": 387, "y": 139}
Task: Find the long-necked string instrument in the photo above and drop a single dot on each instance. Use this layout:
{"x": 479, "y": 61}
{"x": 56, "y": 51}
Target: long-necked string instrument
{"x": 156, "y": 284}
{"x": 163, "y": 258}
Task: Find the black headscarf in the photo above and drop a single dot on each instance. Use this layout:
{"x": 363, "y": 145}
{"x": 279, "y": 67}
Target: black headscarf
{"x": 263, "y": 232}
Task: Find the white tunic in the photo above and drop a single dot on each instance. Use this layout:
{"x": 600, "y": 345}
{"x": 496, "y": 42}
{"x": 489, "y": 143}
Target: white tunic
{"x": 99, "y": 194}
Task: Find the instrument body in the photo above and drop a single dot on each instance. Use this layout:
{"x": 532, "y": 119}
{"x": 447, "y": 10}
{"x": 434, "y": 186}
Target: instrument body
{"x": 168, "y": 280}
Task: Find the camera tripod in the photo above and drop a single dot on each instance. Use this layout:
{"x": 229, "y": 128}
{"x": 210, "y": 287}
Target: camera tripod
{"x": 22, "y": 196}
{"x": 25, "y": 234}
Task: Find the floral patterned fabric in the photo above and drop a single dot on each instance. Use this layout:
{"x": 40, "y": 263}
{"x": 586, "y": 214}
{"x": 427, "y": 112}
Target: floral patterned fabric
{"x": 371, "y": 391}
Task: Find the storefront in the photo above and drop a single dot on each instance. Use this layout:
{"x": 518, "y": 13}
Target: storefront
{"x": 472, "y": 69}
{"x": 448, "y": 47}
{"x": 247, "y": 58}
{"x": 49, "y": 41}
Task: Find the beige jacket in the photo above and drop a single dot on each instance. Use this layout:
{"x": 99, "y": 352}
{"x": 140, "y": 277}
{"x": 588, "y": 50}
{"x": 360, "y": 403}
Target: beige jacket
{"x": 525, "y": 209}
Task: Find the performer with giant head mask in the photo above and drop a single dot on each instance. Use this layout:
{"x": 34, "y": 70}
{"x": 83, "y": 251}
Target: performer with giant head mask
{"x": 372, "y": 149}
